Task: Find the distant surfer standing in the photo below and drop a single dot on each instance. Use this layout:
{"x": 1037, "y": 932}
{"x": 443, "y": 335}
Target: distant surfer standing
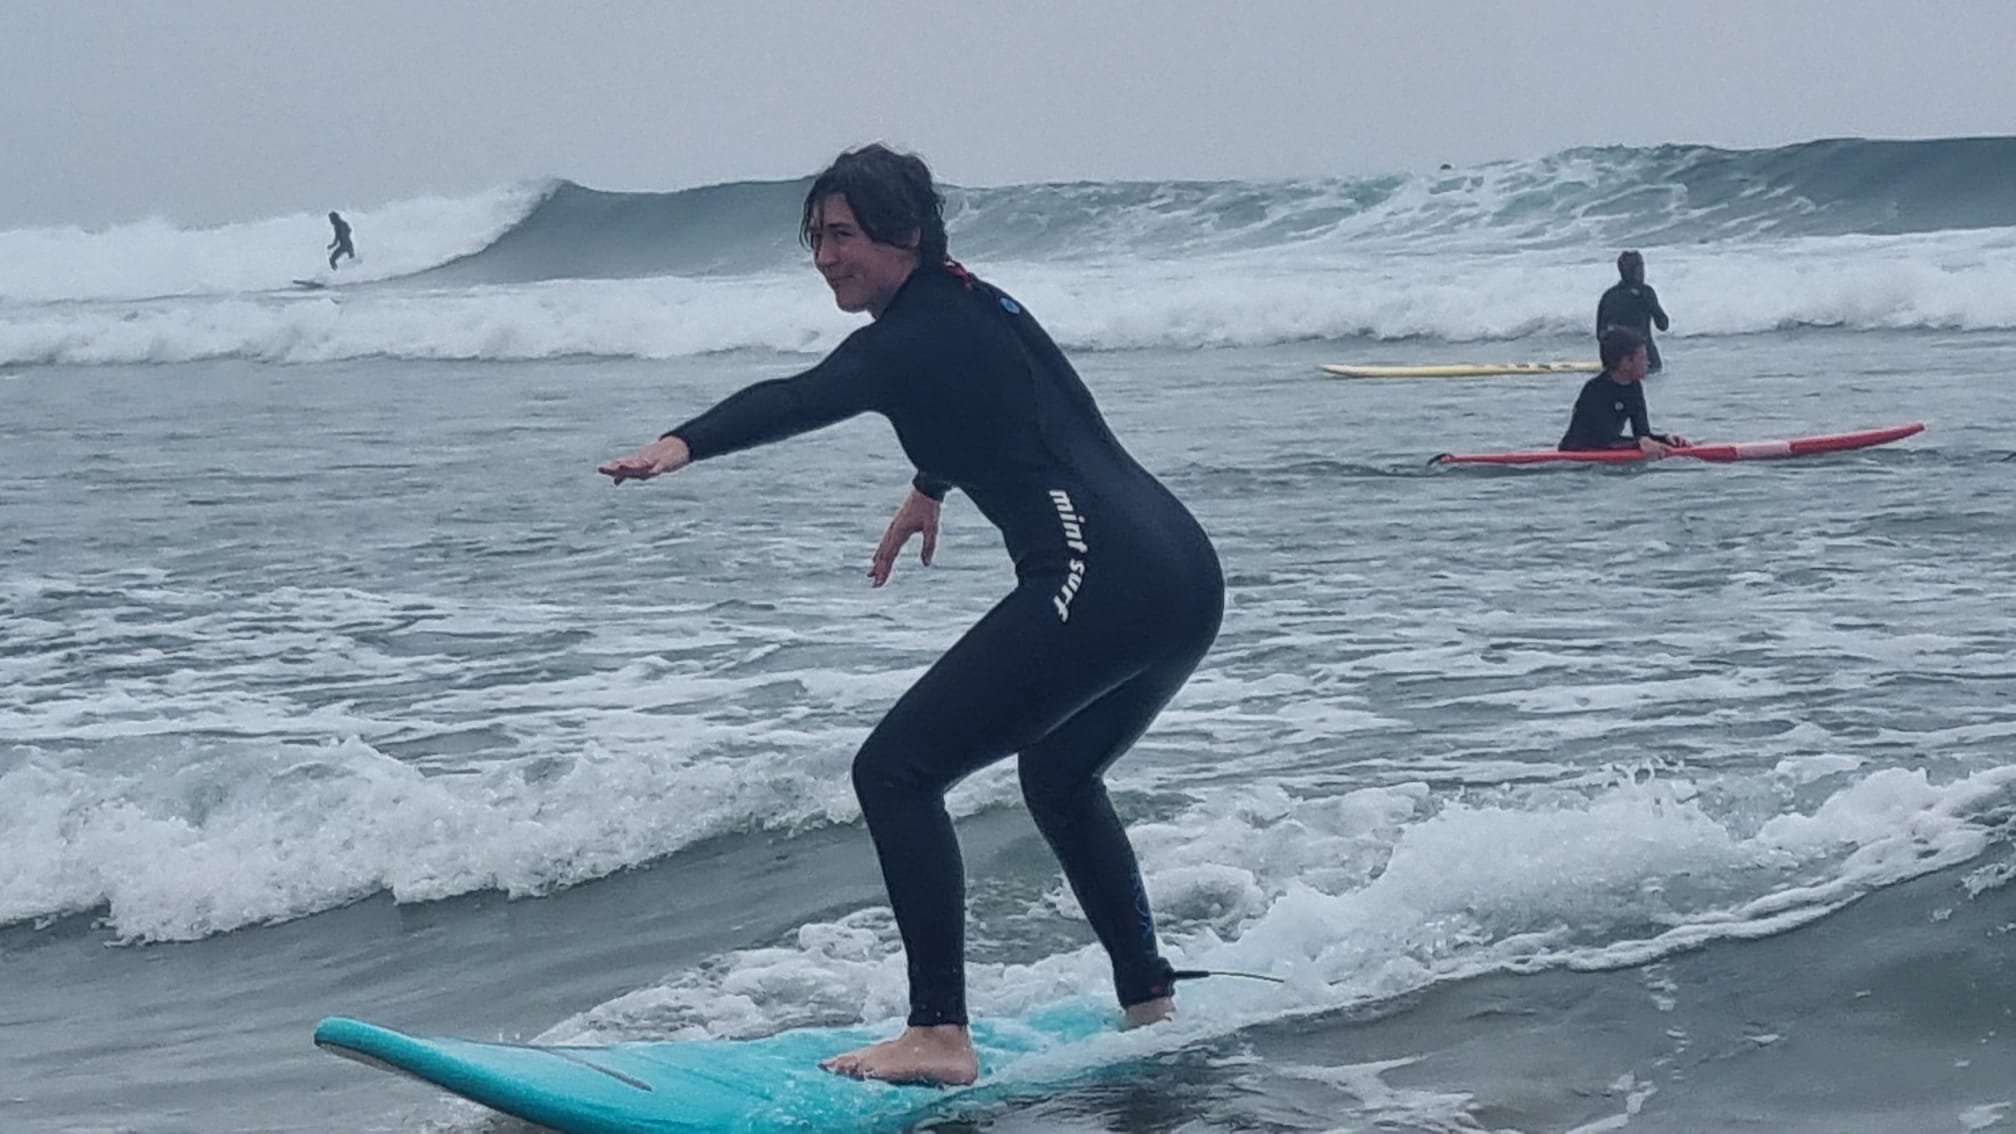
{"x": 1118, "y": 592}
{"x": 340, "y": 246}
{"x": 1632, "y": 303}
{"x": 1614, "y": 399}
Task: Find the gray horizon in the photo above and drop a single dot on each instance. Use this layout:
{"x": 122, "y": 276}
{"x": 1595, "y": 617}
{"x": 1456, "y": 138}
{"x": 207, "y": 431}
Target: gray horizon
{"x": 226, "y": 110}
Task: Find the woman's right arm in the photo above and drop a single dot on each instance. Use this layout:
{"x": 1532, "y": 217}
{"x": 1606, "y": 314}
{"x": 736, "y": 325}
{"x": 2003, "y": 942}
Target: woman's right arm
{"x": 847, "y": 382}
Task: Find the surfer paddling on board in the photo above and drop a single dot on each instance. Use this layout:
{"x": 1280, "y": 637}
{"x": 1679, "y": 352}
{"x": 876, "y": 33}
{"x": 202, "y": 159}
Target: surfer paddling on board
{"x": 1614, "y": 399}
{"x": 1632, "y": 303}
{"x": 340, "y": 246}
{"x": 1117, "y": 596}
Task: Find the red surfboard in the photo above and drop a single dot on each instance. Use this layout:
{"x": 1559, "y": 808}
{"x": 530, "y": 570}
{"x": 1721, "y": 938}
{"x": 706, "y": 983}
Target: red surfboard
{"x": 1716, "y": 451}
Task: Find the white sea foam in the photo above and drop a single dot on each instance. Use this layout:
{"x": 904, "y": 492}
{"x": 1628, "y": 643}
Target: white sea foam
{"x": 1955, "y": 281}
{"x": 1381, "y": 893}
{"x": 156, "y": 258}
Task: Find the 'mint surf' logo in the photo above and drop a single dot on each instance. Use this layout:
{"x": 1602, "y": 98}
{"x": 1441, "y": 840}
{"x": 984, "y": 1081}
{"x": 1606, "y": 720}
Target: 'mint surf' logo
{"x": 1074, "y": 539}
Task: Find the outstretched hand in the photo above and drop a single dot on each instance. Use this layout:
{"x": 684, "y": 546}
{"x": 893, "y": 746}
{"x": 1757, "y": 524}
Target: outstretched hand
{"x": 918, "y": 513}
{"x": 667, "y": 454}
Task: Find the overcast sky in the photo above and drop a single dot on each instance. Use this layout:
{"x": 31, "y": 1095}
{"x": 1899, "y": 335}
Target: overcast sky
{"x": 204, "y": 111}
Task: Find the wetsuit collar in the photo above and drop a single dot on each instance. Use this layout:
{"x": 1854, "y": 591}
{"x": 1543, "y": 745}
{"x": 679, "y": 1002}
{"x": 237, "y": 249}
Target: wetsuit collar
{"x": 910, "y": 282}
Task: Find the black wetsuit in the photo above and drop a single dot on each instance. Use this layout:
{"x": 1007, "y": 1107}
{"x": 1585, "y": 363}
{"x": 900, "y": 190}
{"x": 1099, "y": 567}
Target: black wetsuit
{"x": 1602, "y": 410}
{"x": 341, "y": 245}
{"x": 1633, "y": 305}
{"x": 1118, "y": 595}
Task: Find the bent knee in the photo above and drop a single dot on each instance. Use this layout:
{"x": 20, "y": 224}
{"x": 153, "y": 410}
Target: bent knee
{"x": 1055, "y": 797}
{"x": 890, "y": 771}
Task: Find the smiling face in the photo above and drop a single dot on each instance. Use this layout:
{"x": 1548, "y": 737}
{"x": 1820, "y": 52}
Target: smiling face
{"x": 863, "y": 273}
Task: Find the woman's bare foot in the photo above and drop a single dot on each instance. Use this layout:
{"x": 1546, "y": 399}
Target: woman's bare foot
{"x": 941, "y": 1055}
{"x": 1149, "y": 1012}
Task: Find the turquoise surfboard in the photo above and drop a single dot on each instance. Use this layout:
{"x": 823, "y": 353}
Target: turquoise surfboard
{"x": 738, "y": 1086}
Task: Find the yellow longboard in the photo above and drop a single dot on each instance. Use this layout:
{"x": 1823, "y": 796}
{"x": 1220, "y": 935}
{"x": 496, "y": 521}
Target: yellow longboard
{"x": 1463, "y": 369}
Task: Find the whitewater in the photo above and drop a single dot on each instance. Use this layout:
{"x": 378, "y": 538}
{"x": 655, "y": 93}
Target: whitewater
{"x": 1855, "y": 235}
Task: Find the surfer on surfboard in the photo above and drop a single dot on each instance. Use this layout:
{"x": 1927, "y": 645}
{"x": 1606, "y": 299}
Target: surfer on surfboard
{"x": 340, "y": 246}
{"x": 1615, "y": 398}
{"x": 1118, "y": 592}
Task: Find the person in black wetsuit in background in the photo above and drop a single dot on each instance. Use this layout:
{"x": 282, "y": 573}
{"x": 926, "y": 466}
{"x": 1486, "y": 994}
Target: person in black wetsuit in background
{"x": 1118, "y": 591}
{"x": 341, "y": 245}
{"x": 1632, "y": 303}
{"x": 1614, "y": 399}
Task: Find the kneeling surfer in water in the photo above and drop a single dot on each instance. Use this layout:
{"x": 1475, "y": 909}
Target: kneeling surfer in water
{"x": 1615, "y": 398}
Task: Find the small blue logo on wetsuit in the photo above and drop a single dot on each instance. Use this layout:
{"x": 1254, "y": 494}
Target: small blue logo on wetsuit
{"x": 1010, "y": 306}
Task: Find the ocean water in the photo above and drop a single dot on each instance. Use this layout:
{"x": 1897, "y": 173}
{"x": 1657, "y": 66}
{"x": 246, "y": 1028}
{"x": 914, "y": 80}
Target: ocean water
{"x": 1669, "y": 798}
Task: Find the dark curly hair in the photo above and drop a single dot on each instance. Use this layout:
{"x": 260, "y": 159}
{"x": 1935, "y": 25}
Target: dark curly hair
{"x": 891, "y": 194}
